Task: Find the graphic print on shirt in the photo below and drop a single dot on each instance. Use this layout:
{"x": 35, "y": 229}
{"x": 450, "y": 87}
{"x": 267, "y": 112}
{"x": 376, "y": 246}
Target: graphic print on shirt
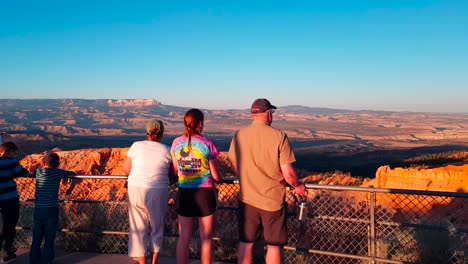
{"x": 193, "y": 166}
{"x": 188, "y": 164}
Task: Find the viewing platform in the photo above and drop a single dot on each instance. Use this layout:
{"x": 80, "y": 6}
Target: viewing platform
{"x": 339, "y": 224}
{"x": 88, "y": 258}
{"x": 92, "y": 258}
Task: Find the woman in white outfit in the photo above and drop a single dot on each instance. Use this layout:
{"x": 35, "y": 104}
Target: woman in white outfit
{"x": 149, "y": 166}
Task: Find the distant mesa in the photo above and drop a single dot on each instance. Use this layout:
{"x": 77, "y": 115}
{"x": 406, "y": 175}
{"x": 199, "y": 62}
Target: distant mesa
{"x": 132, "y": 102}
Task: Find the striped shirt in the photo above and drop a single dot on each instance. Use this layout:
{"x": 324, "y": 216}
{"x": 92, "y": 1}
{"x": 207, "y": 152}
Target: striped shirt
{"x": 47, "y": 186}
{"x": 9, "y": 169}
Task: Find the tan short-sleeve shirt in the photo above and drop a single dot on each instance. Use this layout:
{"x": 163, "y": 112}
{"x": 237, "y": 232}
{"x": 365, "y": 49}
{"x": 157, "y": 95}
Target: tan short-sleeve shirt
{"x": 259, "y": 150}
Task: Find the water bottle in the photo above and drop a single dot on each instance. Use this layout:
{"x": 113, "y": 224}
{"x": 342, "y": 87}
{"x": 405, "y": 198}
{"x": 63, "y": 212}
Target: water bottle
{"x": 302, "y": 210}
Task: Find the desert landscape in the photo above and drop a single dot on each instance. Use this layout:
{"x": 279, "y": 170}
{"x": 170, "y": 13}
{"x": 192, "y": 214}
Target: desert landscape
{"x": 324, "y": 140}
{"x": 389, "y": 150}
{"x": 371, "y": 94}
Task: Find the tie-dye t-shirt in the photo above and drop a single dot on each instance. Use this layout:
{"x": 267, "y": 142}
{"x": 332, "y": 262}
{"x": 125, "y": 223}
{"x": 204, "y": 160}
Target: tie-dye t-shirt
{"x": 194, "y": 166}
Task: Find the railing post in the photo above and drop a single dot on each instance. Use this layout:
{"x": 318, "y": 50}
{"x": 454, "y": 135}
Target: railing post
{"x": 372, "y": 239}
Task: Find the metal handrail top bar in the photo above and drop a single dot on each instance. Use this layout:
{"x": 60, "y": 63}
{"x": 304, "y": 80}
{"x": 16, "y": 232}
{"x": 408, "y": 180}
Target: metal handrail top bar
{"x": 321, "y": 186}
{"x": 386, "y": 190}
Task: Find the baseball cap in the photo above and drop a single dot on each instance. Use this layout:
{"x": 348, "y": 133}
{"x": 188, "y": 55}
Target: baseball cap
{"x": 261, "y": 105}
{"x": 155, "y": 126}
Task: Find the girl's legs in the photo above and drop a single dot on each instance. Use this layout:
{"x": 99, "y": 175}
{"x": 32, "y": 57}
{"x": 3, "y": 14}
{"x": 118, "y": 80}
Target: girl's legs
{"x": 206, "y": 234}
{"x": 185, "y": 231}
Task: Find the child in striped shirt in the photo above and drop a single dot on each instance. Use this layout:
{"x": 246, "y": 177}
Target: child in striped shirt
{"x": 10, "y": 168}
{"x": 46, "y": 208}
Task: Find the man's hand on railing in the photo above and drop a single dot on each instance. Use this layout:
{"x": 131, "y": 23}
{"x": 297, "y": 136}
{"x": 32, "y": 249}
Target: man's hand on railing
{"x": 300, "y": 189}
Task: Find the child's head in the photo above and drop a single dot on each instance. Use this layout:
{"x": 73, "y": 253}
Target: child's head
{"x": 8, "y": 150}
{"x": 51, "y": 160}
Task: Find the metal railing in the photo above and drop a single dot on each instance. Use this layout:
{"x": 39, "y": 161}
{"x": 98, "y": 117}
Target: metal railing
{"x": 342, "y": 224}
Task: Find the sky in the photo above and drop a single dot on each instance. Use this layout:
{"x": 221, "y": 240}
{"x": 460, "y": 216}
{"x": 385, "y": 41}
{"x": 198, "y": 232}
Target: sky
{"x": 397, "y": 55}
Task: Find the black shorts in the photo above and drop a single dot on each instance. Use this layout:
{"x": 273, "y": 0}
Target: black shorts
{"x": 196, "y": 202}
{"x": 253, "y": 221}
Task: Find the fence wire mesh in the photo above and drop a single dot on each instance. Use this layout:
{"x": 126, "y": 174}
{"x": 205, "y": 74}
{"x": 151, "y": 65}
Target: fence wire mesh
{"x": 340, "y": 225}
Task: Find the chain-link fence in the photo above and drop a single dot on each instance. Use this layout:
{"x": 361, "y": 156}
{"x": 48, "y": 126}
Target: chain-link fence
{"x": 339, "y": 225}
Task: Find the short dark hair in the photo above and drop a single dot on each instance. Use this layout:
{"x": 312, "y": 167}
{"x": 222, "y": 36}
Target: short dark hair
{"x": 8, "y": 147}
{"x": 51, "y": 159}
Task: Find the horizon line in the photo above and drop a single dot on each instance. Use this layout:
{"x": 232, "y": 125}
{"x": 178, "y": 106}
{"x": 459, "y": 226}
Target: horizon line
{"x": 227, "y": 109}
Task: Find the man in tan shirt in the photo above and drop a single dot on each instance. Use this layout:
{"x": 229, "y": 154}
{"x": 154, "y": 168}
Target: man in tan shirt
{"x": 262, "y": 158}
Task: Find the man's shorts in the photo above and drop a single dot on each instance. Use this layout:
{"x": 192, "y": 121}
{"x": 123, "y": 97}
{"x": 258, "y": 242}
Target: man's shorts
{"x": 196, "y": 202}
{"x": 252, "y": 221}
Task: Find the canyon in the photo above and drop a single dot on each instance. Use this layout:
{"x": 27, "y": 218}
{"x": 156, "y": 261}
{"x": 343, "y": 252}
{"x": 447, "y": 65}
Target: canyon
{"x": 324, "y": 140}
{"x": 108, "y": 162}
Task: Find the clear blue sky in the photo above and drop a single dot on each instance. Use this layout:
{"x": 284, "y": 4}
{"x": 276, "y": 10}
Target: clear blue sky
{"x": 376, "y": 54}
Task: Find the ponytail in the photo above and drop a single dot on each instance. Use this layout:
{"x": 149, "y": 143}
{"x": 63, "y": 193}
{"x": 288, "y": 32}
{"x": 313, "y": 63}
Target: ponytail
{"x": 192, "y": 120}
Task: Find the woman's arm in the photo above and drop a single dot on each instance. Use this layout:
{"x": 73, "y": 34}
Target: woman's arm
{"x": 172, "y": 173}
{"x": 127, "y": 166}
{"x": 175, "y": 167}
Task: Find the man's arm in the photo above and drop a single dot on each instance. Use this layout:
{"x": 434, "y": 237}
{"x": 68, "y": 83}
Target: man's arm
{"x": 232, "y": 157}
{"x": 290, "y": 177}
{"x": 234, "y": 169}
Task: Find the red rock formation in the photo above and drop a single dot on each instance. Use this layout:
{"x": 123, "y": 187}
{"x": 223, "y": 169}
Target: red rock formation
{"x": 448, "y": 178}
{"x": 106, "y": 161}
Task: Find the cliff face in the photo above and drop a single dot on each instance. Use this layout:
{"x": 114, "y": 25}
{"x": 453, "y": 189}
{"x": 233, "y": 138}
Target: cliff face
{"x": 432, "y": 208}
{"x": 448, "y": 178}
{"x": 107, "y": 161}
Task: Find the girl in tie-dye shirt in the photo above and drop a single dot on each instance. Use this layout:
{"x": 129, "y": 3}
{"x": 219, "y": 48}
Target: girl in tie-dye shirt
{"x": 194, "y": 160}
{"x": 194, "y": 165}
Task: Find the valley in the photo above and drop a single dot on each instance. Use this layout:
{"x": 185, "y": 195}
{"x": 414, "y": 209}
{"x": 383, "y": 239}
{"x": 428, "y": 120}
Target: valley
{"x": 324, "y": 140}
